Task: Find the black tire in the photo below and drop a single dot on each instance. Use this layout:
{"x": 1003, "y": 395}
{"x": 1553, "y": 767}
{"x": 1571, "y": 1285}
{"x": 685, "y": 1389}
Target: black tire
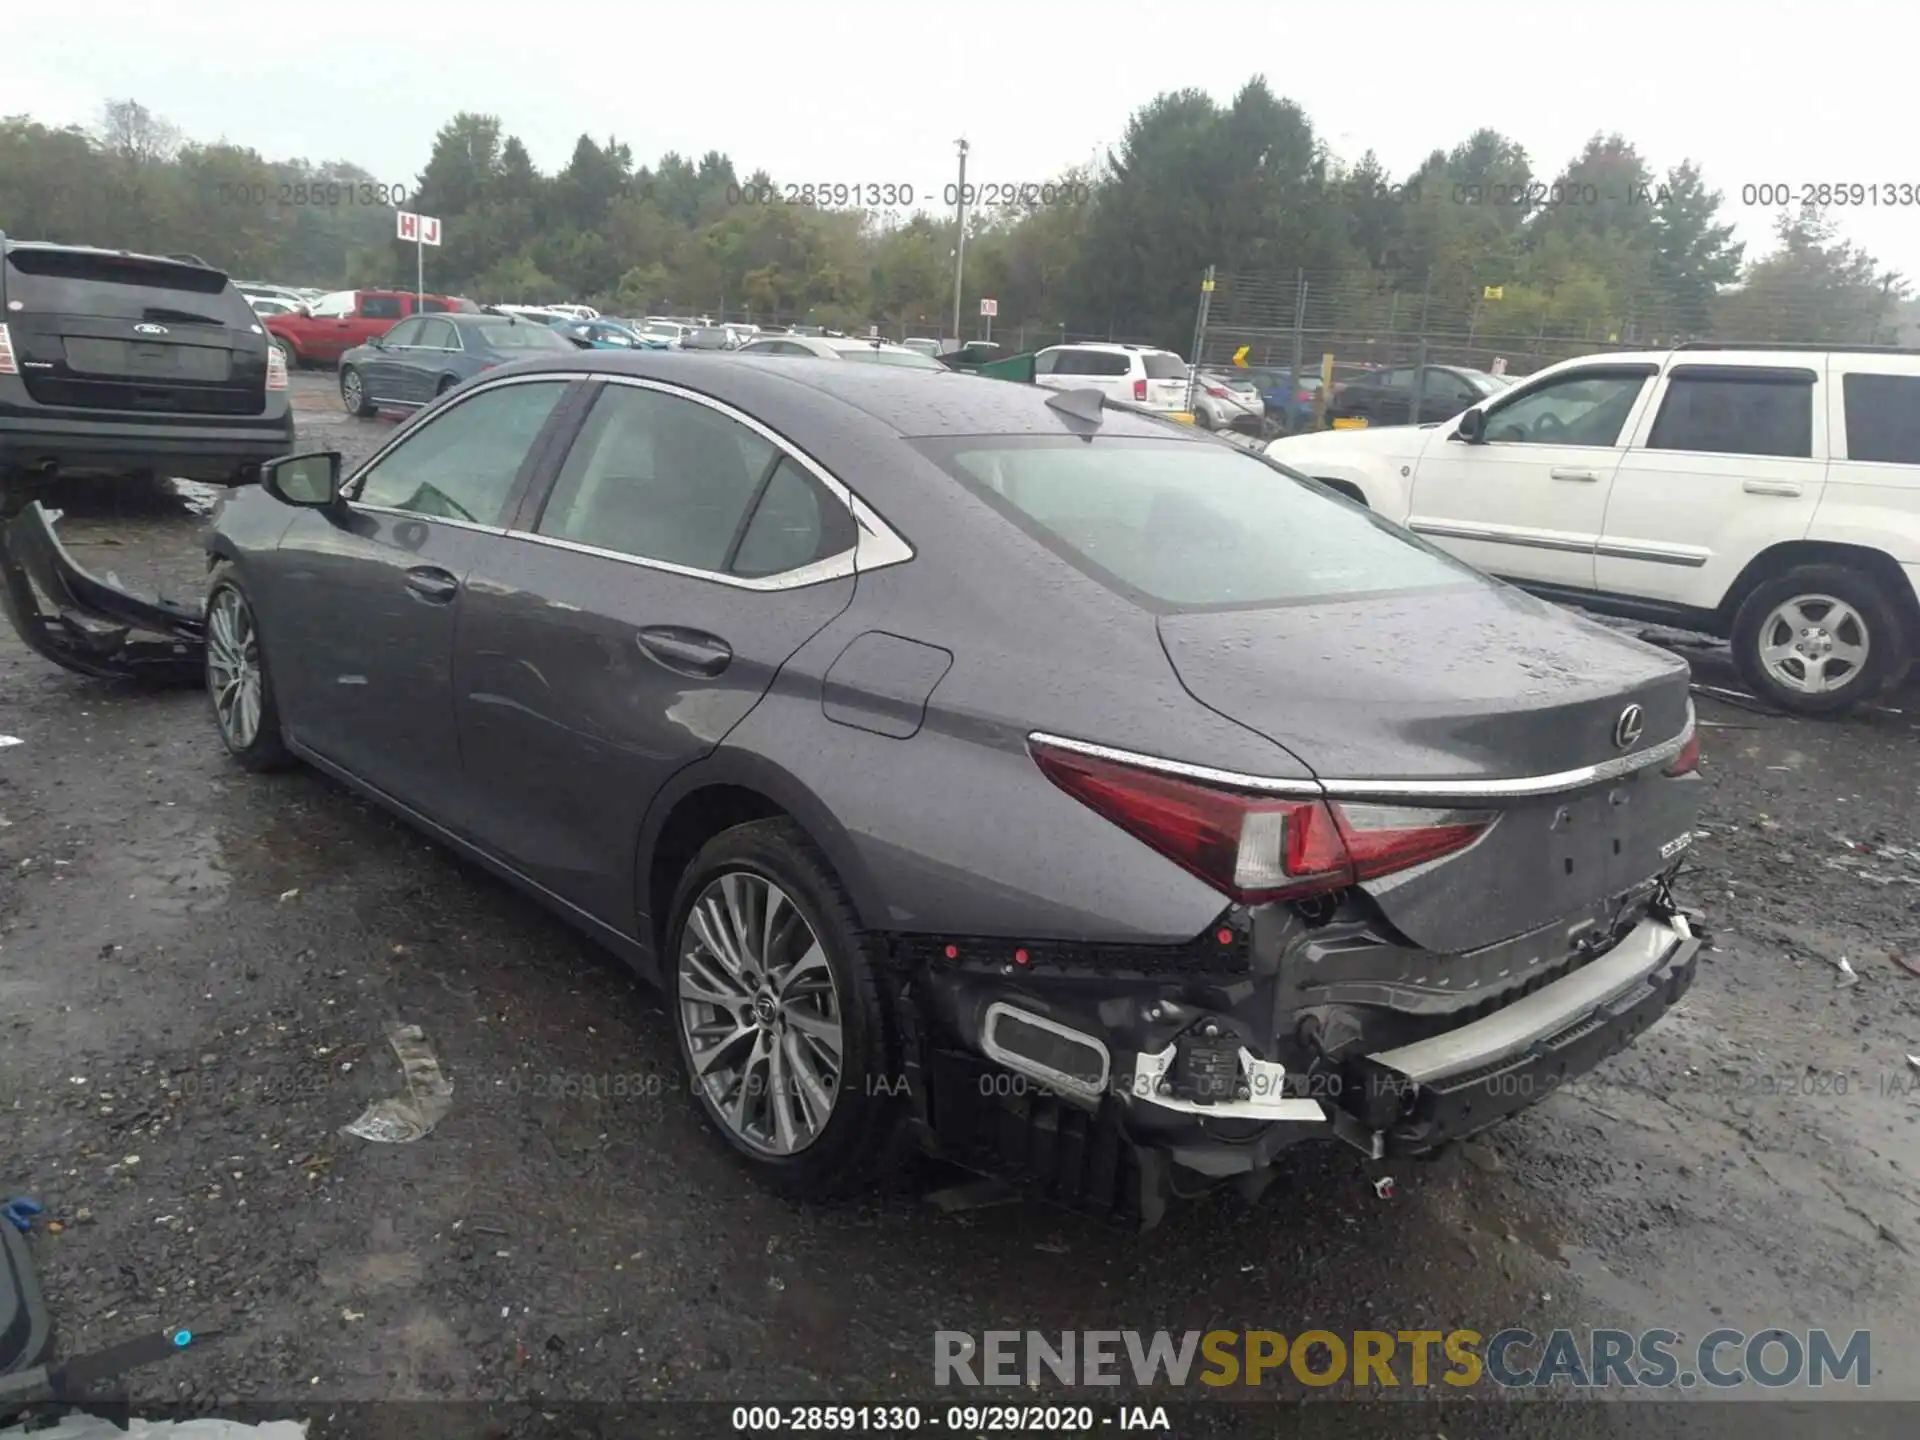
{"x": 353, "y": 393}
{"x": 860, "y": 1138}
{"x": 1875, "y": 621}
{"x": 266, "y": 750}
{"x": 447, "y": 382}
{"x": 1202, "y": 420}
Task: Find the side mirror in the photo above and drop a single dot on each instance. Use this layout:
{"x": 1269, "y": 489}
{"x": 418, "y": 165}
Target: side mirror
{"x": 1471, "y": 427}
{"x": 378, "y": 342}
{"x": 310, "y": 481}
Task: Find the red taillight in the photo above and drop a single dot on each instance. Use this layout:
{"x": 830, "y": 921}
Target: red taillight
{"x": 1688, "y": 760}
{"x": 1218, "y": 392}
{"x": 1304, "y": 397}
{"x": 7, "y": 363}
{"x": 1256, "y": 848}
{"x": 276, "y": 368}
{"x": 1139, "y": 389}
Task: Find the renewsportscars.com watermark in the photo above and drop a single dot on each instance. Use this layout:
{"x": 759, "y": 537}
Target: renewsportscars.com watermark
{"x": 1511, "y": 1358}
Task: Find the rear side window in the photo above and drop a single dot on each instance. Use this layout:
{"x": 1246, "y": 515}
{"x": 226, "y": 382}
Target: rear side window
{"x": 1883, "y": 418}
{"x": 1719, "y": 414}
{"x": 797, "y": 522}
{"x": 1181, "y": 525}
{"x": 1162, "y": 366}
{"x": 121, "y": 287}
{"x": 1091, "y": 362}
{"x": 380, "y": 307}
{"x": 658, "y": 477}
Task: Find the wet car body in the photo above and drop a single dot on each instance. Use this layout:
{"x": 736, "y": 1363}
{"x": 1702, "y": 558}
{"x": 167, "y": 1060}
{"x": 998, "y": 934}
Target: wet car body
{"x": 998, "y": 754}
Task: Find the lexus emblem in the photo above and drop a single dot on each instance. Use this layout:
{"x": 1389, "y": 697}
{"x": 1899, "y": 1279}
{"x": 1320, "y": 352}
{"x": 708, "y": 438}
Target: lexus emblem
{"x": 1626, "y": 730}
{"x": 149, "y": 329}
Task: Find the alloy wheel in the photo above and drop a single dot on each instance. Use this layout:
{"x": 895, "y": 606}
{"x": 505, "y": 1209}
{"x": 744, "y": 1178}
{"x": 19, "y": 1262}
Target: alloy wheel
{"x": 350, "y": 391}
{"x": 233, "y": 668}
{"x": 1814, "y": 644}
{"x": 761, "y": 1014}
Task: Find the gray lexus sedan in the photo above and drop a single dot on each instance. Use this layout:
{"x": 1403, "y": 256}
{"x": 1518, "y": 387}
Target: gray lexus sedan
{"x": 979, "y": 766}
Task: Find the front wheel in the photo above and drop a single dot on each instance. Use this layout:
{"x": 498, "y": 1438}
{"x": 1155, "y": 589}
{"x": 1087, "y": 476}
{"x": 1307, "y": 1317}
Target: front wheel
{"x": 244, "y": 708}
{"x": 779, "y": 1012}
{"x": 1818, "y": 640}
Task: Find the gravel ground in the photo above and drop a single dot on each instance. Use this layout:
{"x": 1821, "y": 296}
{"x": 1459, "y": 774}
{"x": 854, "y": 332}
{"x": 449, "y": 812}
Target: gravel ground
{"x": 198, "y": 967}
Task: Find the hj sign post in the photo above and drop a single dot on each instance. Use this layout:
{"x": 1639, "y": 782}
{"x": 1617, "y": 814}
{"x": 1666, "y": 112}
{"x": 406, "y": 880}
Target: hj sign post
{"x": 423, "y": 230}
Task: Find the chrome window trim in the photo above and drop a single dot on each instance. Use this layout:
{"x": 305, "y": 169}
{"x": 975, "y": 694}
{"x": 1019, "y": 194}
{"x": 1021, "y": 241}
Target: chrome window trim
{"x": 1519, "y": 788}
{"x": 360, "y": 509}
{"x": 876, "y": 545}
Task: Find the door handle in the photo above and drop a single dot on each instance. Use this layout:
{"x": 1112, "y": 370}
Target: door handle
{"x": 686, "y": 652}
{"x": 1587, "y": 475}
{"x": 432, "y": 584}
{"x": 1770, "y": 487}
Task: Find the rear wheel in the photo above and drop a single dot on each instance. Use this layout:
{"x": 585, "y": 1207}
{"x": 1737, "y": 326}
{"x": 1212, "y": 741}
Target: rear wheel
{"x": 779, "y": 1012}
{"x": 353, "y": 392}
{"x": 1818, "y": 639}
{"x": 237, "y": 679}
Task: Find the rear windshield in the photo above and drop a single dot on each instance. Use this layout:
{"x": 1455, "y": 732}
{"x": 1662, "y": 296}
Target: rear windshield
{"x": 912, "y": 359}
{"x": 523, "y": 335}
{"x": 1181, "y": 525}
{"x": 122, "y": 287}
{"x": 1165, "y": 367}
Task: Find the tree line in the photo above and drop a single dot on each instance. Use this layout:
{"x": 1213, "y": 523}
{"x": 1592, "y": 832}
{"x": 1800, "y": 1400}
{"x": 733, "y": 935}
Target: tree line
{"x": 1475, "y": 236}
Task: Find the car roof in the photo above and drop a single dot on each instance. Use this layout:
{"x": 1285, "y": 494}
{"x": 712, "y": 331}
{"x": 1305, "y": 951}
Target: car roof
{"x": 1111, "y": 346}
{"x": 908, "y": 401}
{"x": 55, "y": 247}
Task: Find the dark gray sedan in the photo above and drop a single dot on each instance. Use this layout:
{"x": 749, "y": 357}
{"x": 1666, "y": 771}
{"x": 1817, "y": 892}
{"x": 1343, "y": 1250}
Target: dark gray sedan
{"x": 425, "y": 356}
{"x": 980, "y": 764}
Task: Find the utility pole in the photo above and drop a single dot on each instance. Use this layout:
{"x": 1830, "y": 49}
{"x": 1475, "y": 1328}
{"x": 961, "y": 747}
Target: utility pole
{"x": 960, "y": 238}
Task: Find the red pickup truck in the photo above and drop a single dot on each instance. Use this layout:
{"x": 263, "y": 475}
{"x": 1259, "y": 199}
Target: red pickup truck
{"x": 322, "y": 332}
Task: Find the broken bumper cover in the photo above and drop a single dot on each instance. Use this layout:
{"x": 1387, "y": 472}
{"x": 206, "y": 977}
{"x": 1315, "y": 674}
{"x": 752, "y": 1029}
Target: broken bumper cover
{"x": 1112, "y": 1093}
{"x": 87, "y": 624}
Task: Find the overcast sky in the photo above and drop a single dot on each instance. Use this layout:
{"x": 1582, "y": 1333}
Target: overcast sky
{"x": 845, "y": 91}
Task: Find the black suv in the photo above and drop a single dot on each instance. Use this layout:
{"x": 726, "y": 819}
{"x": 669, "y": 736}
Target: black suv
{"x": 132, "y": 363}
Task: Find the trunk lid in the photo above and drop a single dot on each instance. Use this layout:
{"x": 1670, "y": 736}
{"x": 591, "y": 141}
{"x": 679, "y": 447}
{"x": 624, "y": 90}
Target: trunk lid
{"x": 99, "y": 330}
{"x": 1475, "y": 686}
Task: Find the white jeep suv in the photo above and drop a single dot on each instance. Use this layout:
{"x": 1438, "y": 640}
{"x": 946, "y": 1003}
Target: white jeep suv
{"x": 1770, "y": 496}
{"x": 1137, "y": 374}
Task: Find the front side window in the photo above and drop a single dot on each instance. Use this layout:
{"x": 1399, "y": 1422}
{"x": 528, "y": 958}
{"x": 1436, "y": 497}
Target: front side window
{"x": 461, "y": 464}
{"x": 1883, "y": 418}
{"x": 1722, "y": 414}
{"x": 405, "y": 334}
{"x": 1577, "y": 409}
{"x": 1182, "y": 525}
{"x": 1045, "y": 361}
{"x": 435, "y": 335}
{"x": 659, "y": 477}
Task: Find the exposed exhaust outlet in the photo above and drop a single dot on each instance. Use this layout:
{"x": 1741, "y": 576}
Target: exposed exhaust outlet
{"x": 1060, "y": 1057}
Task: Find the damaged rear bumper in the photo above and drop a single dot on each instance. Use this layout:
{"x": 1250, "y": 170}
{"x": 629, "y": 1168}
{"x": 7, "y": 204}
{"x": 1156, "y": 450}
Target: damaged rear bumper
{"x": 1113, "y": 1089}
{"x": 86, "y": 624}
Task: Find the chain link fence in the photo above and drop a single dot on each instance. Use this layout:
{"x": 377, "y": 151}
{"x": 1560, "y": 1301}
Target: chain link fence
{"x": 1291, "y": 321}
